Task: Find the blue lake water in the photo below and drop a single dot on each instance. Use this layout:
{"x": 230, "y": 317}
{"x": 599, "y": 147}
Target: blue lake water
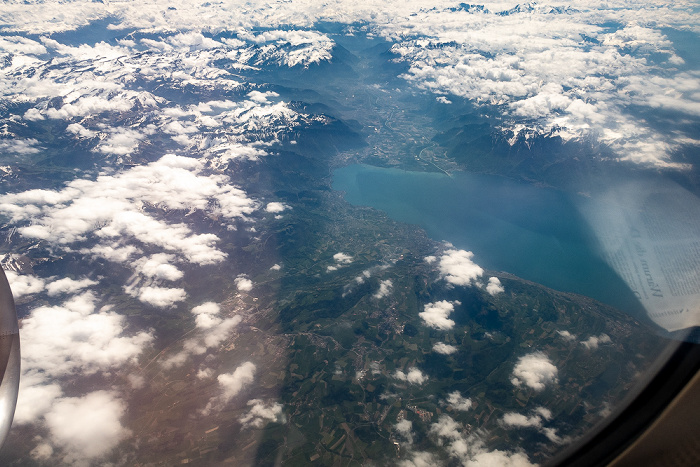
{"x": 533, "y": 232}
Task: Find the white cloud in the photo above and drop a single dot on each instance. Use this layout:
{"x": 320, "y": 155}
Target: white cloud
{"x": 536, "y": 421}
{"x": 537, "y": 71}
{"x": 206, "y": 308}
{"x": 214, "y": 330}
{"x": 109, "y": 209}
{"x": 459, "y": 402}
{"x": 519, "y": 420}
{"x": 193, "y": 40}
{"x": 275, "y": 207}
{"x": 121, "y": 141}
{"x": 385, "y": 287}
{"x": 159, "y": 266}
{"x": 261, "y": 413}
{"x": 90, "y": 105}
{"x": 243, "y": 283}
{"x": 436, "y": 315}
{"x": 221, "y": 332}
{"x": 24, "y": 284}
{"x": 161, "y": 297}
{"x": 231, "y": 384}
{"x": 21, "y": 45}
{"x": 534, "y": 370}
{"x": 275, "y": 267}
{"x": 90, "y": 340}
{"x": 34, "y": 115}
{"x": 42, "y": 452}
{"x": 445, "y": 349}
{"x": 420, "y": 459}
{"x": 404, "y": 429}
{"x": 67, "y": 285}
{"x": 136, "y": 381}
{"x": 593, "y": 342}
{"x": 469, "y": 449}
{"x": 19, "y": 146}
{"x": 414, "y": 376}
{"x": 86, "y": 427}
{"x": 566, "y": 335}
{"x": 76, "y": 129}
{"x": 342, "y": 258}
{"x": 36, "y": 396}
{"x": 494, "y": 286}
{"x": 457, "y": 267}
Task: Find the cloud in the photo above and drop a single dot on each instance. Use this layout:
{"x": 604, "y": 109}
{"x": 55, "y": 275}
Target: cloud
{"x": 469, "y": 449}
{"x": 42, "y": 452}
{"x": 67, "y": 285}
{"x": 445, "y": 349}
{"x": 75, "y": 128}
{"x": 261, "y": 413}
{"x": 34, "y": 115}
{"x": 243, "y": 283}
{"x": 86, "y": 427}
{"x": 457, "y": 267}
{"x": 536, "y": 421}
{"x": 206, "y": 308}
{"x": 121, "y": 141}
{"x": 593, "y": 342}
{"x": 24, "y": 284}
{"x": 109, "y": 210}
{"x": 161, "y": 297}
{"x": 404, "y": 429}
{"x": 342, "y": 258}
{"x": 91, "y": 105}
{"x": 385, "y": 287}
{"x": 275, "y": 207}
{"x": 213, "y": 328}
{"x": 566, "y": 335}
{"x": 233, "y": 383}
{"x": 20, "y": 146}
{"x": 90, "y": 340}
{"x": 21, "y": 45}
{"x": 230, "y": 385}
{"x": 36, "y": 396}
{"x": 534, "y": 370}
{"x": 494, "y": 286}
{"x": 193, "y": 40}
{"x": 136, "y": 381}
{"x": 534, "y": 68}
{"x": 158, "y": 266}
{"x": 458, "y": 402}
{"x": 436, "y": 315}
{"x": 420, "y": 459}
{"x": 414, "y": 376}
{"x": 519, "y": 420}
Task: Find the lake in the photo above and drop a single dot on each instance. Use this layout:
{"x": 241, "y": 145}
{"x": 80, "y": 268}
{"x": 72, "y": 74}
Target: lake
{"x": 533, "y": 232}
